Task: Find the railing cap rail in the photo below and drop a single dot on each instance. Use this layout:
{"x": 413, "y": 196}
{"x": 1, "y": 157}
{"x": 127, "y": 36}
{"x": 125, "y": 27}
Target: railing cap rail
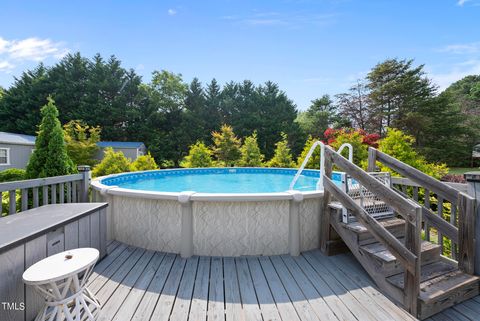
{"x": 38, "y": 182}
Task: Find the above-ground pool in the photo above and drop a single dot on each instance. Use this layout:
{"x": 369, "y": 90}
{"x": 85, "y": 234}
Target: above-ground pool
{"x": 214, "y": 211}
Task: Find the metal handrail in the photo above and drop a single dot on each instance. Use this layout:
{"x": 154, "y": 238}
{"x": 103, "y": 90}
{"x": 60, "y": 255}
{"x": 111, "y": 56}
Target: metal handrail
{"x": 322, "y": 162}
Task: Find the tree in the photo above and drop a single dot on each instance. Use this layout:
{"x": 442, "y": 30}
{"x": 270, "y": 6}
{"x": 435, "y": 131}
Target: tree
{"x": 144, "y": 163}
{"x": 397, "y": 91}
{"x": 251, "y": 154}
{"x": 354, "y": 105}
{"x": 399, "y": 145}
{"x": 81, "y": 141}
{"x": 199, "y": 155}
{"x": 359, "y": 140}
{"x": 112, "y": 163}
{"x": 282, "y": 156}
{"x": 50, "y": 156}
{"x": 226, "y": 146}
{"x": 318, "y": 117}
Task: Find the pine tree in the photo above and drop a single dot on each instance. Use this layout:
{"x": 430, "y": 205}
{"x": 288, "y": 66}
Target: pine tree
{"x": 282, "y": 156}
{"x": 227, "y": 146}
{"x": 50, "y": 156}
{"x": 251, "y": 154}
{"x": 198, "y": 156}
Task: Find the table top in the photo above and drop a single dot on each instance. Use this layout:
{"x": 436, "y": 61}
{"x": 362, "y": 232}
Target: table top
{"x": 19, "y": 228}
{"x": 60, "y": 266}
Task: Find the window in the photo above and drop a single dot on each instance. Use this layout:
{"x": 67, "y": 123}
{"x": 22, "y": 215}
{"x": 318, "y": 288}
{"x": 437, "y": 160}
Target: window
{"x": 4, "y": 156}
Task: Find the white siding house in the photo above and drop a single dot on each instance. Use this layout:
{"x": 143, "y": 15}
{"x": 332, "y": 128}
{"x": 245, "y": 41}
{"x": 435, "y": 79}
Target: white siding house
{"x": 15, "y": 150}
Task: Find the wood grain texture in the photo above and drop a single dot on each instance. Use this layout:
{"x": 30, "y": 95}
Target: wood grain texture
{"x": 12, "y": 290}
{"x": 35, "y": 250}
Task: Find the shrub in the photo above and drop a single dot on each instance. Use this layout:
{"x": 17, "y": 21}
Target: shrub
{"x": 50, "y": 157}
{"x": 282, "y": 156}
{"x": 198, "y": 156}
{"x": 227, "y": 146}
{"x": 81, "y": 141}
{"x": 314, "y": 161}
{"x": 251, "y": 154}
{"x": 12, "y": 174}
{"x": 399, "y": 145}
{"x": 144, "y": 163}
{"x": 112, "y": 163}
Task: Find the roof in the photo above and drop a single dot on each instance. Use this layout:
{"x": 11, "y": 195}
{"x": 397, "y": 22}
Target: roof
{"x": 120, "y": 144}
{"x": 19, "y": 139}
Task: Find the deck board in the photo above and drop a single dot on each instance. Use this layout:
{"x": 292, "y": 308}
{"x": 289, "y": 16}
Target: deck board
{"x": 141, "y": 285}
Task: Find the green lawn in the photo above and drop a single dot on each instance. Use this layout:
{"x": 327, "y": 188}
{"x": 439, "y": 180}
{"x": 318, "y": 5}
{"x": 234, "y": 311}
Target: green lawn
{"x": 461, "y": 170}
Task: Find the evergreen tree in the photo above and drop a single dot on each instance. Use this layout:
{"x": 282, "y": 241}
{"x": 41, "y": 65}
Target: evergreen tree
{"x": 251, "y": 154}
{"x": 283, "y": 155}
{"x": 198, "y": 156}
{"x": 314, "y": 161}
{"x": 50, "y": 156}
{"x": 319, "y": 116}
{"x": 227, "y": 146}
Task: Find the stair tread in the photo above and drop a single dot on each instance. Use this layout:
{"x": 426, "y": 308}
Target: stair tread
{"x": 440, "y": 286}
{"x": 387, "y": 223}
{"x": 381, "y": 251}
{"x": 428, "y": 272}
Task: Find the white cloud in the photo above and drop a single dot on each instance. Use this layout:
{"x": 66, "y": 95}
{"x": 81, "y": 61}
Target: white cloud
{"x": 172, "y": 12}
{"x": 13, "y": 52}
{"x": 467, "y": 48}
{"x": 461, "y": 2}
{"x": 457, "y": 72}
{"x": 6, "y": 66}
{"x": 294, "y": 20}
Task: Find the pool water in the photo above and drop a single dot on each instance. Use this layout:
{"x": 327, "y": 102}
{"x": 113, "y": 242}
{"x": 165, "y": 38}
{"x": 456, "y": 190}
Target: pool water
{"x": 218, "y": 180}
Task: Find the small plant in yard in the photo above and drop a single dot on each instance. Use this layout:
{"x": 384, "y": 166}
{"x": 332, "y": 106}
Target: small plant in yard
{"x": 144, "y": 163}
{"x": 314, "y": 161}
{"x": 12, "y": 174}
{"x": 199, "y": 155}
{"x": 81, "y": 141}
{"x": 226, "y": 146}
{"x": 251, "y": 154}
{"x": 112, "y": 163}
{"x": 283, "y": 155}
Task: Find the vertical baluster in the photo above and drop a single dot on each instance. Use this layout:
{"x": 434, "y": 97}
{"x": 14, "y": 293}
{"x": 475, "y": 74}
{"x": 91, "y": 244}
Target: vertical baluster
{"x": 453, "y": 221}
{"x": 1, "y": 207}
{"x": 24, "y": 199}
{"x": 61, "y": 193}
{"x": 69, "y": 192}
{"x": 440, "y": 213}
{"x": 404, "y": 189}
{"x": 415, "y": 193}
{"x": 426, "y": 202}
{"x": 35, "y": 197}
{"x": 53, "y": 193}
{"x": 74, "y": 191}
{"x": 12, "y": 202}
{"x": 45, "y": 195}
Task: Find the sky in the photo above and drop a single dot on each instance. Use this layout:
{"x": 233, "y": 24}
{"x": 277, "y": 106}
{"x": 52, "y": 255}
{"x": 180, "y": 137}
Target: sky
{"x": 310, "y": 48}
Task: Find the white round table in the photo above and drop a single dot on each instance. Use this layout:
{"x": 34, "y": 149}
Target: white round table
{"x": 62, "y": 280}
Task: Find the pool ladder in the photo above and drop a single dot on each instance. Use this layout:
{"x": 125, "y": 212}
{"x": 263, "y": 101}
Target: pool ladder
{"x": 322, "y": 162}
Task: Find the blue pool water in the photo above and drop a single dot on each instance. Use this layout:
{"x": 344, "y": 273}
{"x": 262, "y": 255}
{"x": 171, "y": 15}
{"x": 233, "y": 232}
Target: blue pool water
{"x": 218, "y": 180}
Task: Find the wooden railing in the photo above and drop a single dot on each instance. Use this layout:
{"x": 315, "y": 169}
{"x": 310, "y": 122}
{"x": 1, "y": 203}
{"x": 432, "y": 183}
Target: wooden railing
{"x": 42, "y": 191}
{"x": 408, "y": 253}
{"x": 448, "y": 212}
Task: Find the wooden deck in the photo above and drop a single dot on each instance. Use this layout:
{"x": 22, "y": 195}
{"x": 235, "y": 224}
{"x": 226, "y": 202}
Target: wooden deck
{"x": 138, "y": 284}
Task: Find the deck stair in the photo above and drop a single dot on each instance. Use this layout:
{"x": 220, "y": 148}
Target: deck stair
{"x": 411, "y": 271}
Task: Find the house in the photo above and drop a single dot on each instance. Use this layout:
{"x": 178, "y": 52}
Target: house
{"x": 131, "y": 150}
{"x": 15, "y": 150}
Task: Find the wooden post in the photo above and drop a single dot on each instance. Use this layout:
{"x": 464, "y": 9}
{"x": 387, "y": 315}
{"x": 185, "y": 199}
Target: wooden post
{"x": 412, "y": 280}
{"x": 372, "y": 158}
{"x": 85, "y": 183}
{"x": 325, "y": 215}
{"x": 473, "y": 188}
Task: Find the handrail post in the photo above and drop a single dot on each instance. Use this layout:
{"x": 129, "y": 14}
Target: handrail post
{"x": 413, "y": 241}
{"x": 473, "y": 189}
{"x": 325, "y": 217}
{"x": 85, "y": 182}
{"x": 372, "y": 158}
